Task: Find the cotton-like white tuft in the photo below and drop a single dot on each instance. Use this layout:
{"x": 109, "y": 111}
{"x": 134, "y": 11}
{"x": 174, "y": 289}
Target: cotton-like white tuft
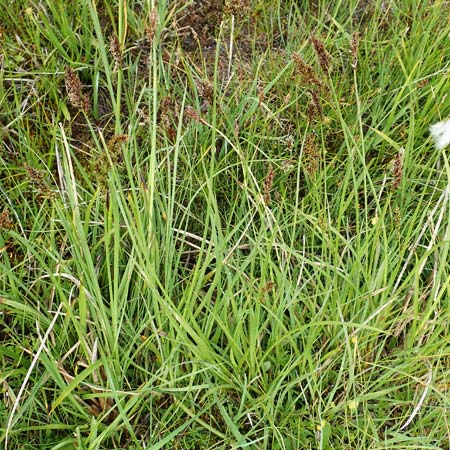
{"x": 441, "y": 134}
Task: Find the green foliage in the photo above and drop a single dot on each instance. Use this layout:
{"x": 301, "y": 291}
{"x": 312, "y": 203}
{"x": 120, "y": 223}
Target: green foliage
{"x": 223, "y": 225}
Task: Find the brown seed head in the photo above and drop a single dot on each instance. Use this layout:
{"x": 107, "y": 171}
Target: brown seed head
{"x": 34, "y": 175}
{"x": 103, "y": 165}
{"x": 268, "y": 183}
{"x": 397, "y": 169}
{"x": 305, "y": 71}
{"x": 115, "y": 144}
{"x": 205, "y": 91}
{"x": 354, "y": 44}
{"x": 260, "y": 97}
{"x": 322, "y": 54}
{"x": 192, "y": 114}
{"x": 150, "y": 28}
{"x": 6, "y": 222}
{"x": 268, "y": 287}
{"x": 311, "y": 155}
{"x": 168, "y": 115}
{"x": 236, "y": 128}
{"x": 423, "y": 83}
{"x": 116, "y": 51}
{"x": 238, "y": 8}
{"x": 74, "y": 89}
{"x": 37, "y": 179}
{"x": 314, "y": 107}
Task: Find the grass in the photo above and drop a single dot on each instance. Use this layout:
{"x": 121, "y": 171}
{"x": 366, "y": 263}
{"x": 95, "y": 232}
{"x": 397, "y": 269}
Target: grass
{"x": 224, "y": 226}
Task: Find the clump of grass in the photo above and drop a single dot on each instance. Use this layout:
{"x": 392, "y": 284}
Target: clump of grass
{"x": 248, "y": 243}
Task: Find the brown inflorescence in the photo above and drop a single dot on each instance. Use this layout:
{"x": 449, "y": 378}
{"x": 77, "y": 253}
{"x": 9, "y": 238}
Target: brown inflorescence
{"x": 192, "y": 114}
{"x": 322, "y": 54}
{"x": 168, "y": 114}
{"x": 314, "y": 107}
{"x": 116, "y": 52}
{"x": 311, "y": 155}
{"x": 37, "y": 178}
{"x": 268, "y": 183}
{"x": 103, "y": 163}
{"x": 150, "y": 28}
{"x": 238, "y": 8}
{"x": 305, "y": 71}
{"x": 397, "y": 169}
{"x": 423, "y": 83}
{"x": 206, "y": 93}
{"x": 6, "y": 222}
{"x": 354, "y": 44}
{"x": 74, "y": 89}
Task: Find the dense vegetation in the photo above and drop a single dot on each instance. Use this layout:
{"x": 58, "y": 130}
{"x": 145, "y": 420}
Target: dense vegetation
{"x": 223, "y": 225}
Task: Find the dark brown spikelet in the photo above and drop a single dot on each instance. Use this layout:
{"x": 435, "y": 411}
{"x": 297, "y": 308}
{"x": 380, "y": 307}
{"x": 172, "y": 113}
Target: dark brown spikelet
{"x": 423, "y": 83}
{"x": 322, "y": 54}
{"x": 34, "y": 175}
{"x": 311, "y": 155}
{"x": 236, "y": 129}
{"x": 103, "y": 163}
{"x": 305, "y": 71}
{"x": 116, "y": 52}
{"x": 74, "y": 89}
{"x": 354, "y": 44}
{"x": 268, "y": 183}
{"x": 260, "y": 97}
{"x": 268, "y": 287}
{"x": 6, "y": 222}
{"x": 397, "y": 169}
{"x": 168, "y": 115}
{"x": 238, "y": 8}
{"x": 37, "y": 179}
{"x": 314, "y": 107}
{"x": 206, "y": 93}
{"x": 192, "y": 114}
{"x": 115, "y": 146}
{"x": 150, "y": 28}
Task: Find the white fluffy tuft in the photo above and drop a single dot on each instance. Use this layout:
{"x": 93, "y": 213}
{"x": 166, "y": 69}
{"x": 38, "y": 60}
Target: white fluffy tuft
{"x": 441, "y": 134}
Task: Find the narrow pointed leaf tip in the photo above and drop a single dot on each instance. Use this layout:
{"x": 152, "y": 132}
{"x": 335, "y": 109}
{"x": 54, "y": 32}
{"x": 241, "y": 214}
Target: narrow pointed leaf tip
{"x": 441, "y": 134}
